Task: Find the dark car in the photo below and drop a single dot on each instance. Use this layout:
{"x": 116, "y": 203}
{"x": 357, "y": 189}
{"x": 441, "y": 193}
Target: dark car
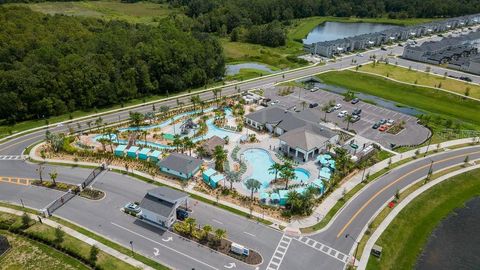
{"x": 313, "y": 105}
{"x": 182, "y": 214}
{"x": 376, "y": 125}
{"x": 355, "y": 100}
{"x": 383, "y": 49}
{"x": 357, "y": 111}
{"x": 382, "y": 122}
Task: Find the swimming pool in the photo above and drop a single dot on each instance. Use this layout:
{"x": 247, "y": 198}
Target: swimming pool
{"x": 259, "y": 160}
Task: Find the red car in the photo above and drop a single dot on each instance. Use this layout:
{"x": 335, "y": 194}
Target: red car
{"x": 383, "y": 128}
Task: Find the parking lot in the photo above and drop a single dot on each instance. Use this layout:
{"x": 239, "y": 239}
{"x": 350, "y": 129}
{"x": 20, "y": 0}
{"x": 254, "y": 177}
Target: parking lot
{"x": 412, "y": 134}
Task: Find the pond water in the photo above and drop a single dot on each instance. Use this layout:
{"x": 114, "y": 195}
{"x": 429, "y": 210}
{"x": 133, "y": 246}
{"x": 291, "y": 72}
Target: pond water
{"x": 455, "y": 243}
{"x": 336, "y": 30}
{"x": 377, "y": 100}
{"x": 235, "y": 69}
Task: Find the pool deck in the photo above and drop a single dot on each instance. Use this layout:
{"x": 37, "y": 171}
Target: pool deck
{"x": 269, "y": 143}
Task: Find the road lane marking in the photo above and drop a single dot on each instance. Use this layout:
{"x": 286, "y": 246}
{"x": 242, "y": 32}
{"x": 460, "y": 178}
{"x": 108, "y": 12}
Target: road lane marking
{"x": 13, "y": 144}
{"x": 276, "y": 260}
{"x": 393, "y": 183}
{"x": 323, "y": 248}
{"x": 16, "y": 180}
{"x": 165, "y": 246}
{"x": 249, "y": 234}
{"x": 219, "y": 222}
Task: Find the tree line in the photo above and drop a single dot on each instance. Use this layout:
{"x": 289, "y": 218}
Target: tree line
{"x": 241, "y": 18}
{"x": 52, "y": 65}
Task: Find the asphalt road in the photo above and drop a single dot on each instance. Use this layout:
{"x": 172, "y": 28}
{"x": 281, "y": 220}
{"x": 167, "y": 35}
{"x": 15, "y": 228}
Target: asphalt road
{"x": 325, "y": 250}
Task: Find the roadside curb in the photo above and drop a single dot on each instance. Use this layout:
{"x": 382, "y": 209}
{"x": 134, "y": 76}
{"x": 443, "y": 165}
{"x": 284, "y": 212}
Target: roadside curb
{"x": 391, "y": 216}
{"x": 83, "y": 238}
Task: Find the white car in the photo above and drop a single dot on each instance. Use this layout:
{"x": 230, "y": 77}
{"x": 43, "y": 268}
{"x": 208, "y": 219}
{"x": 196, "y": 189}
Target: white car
{"x": 342, "y": 114}
{"x": 390, "y": 122}
{"x": 337, "y": 107}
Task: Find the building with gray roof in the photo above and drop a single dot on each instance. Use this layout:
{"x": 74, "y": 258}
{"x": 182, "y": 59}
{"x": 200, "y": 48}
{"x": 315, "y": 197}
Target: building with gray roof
{"x": 396, "y": 34}
{"x": 180, "y": 165}
{"x": 159, "y": 205}
{"x": 301, "y": 134}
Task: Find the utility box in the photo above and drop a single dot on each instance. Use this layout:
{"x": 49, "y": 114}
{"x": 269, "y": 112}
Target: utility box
{"x": 239, "y": 249}
{"x": 377, "y": 251}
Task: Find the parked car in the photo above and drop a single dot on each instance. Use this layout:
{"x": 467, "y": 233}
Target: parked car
{"x": 337, "y": 106}
{"x": 182, "y": 214}
{"x": 383, "y": 128}
{"x": 357, "y": 111}
{"x": 313, "y": 105}
{"x": 359, "y": 55}
{"x": 355, "y": 118}
{"x": 331, "y": 109}
{"x": 383, "y": 49}
{"x": 390, "y": 122}
{"x": 315, "y": 89}
{"x": 376, "y": 125}
{"x": 382, "y": 121}
{"x": 131, "y": 208}
{"x": 355, "y": 100}
{"x": 342, "y": 114}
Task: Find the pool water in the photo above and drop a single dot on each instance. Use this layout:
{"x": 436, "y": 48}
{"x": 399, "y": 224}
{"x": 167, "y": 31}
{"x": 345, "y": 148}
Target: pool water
{"x": 259, "y": 160}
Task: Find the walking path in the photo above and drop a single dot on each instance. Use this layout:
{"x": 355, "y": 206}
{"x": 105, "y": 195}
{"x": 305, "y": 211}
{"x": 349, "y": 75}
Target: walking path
{"x": 383, "y": 226}
{"x": 321, "y": 211}
{"x": 83, "y": 238}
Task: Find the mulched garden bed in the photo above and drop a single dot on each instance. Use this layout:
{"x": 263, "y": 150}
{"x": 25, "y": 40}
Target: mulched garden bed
{"x": 91, "y": 194}
{"x": 4, "y": 245}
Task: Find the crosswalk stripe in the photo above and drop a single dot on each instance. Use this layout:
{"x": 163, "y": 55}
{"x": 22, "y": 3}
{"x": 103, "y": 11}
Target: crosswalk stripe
{"x": 323, "y": 248}
{"x": 278, "y": 254}
{"x": 12, "y": 157}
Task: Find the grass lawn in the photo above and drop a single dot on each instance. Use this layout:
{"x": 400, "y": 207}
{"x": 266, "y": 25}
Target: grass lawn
{"x": 139, "y": 12}
{"x": 28, "y": 254}
{"x": 247, "y": 73}
{"x": 411, "y": 76}
{"x": 442, "y": 104}
{"x": 403, "y": 240}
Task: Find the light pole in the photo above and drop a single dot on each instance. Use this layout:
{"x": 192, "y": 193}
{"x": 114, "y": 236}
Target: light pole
{"x": 428, "y": 145}
{"x": 131, "y": 245}
{"x": 356, "y": 249}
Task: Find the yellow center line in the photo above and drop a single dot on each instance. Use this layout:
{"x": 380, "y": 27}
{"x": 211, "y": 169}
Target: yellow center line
{"x": 13, "y": 144}
{"x": 391, "y": 184}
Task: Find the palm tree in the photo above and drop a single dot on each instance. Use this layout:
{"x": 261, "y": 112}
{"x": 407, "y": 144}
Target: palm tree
{"x": 348, "y": 118}
{"x": 40, "y": 171}
{"x": 220, "y": 234}
{"x": 207, "y": 229}
{"x": 53, "y": 175}
{"x": 276, "y": 167}
{"x": 220, "y": 156}
{"x": 201, "y": 151}
{"x": 294, "y": 201}
{"x": 215, "y": 94}
{"x": 99, "y": 121}
{"x": 232, "y": 177}
{"x": 164, "y": 109}
{"x": 89, "y": 124}
{"x": 253, "y": 185}
{"x": 188, "y": 144}
{"x": 191, "y": 222}
{"x": 195, "y": 100}
{"x": 304, "y": 103}
{"x": 325, "y": 109}
{"x": 109, "y": 132}
{"x": 103, "y": 142}
{"x": 202, "y": 105}
{"x": 177, "y": 141}
{"x": 145, "y": 133}
{"x": 136, "y": 118}
{"x": 287, "y": 172}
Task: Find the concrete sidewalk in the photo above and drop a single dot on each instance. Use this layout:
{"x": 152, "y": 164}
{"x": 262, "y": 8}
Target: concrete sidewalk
{"x": 83, "y": 238}
{"x": 383, "y": 226}
{"x": 321, "y": 211}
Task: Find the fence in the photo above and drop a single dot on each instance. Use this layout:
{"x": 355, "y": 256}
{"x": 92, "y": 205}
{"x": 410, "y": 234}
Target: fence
{"x": 67, "y": 196}
{"x": 92, "y": 176}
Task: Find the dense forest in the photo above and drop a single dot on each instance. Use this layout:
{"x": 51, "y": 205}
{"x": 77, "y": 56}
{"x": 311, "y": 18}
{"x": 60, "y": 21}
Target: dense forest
{"x": 52, "y": 65}
{"x": 241, "y": 18}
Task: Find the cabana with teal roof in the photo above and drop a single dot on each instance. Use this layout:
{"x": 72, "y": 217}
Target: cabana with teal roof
{"x": 325, "y": 173}
{"x": 120, "y": 150}
{"x": 283, "y": 194}
{"x": 300, "y": 190}
{"x": 132, "y": 151}
{"x": 154, "y": 156}
{"x": 215, "y": 179}
{"x": 264, "y": 197}
{"x": 207, "y": 173}
{"x": 143, "y": 154}
{"x": 331, "y": 164}
{"x": 318, "y": 184}
{"x": 274, "y": 198}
